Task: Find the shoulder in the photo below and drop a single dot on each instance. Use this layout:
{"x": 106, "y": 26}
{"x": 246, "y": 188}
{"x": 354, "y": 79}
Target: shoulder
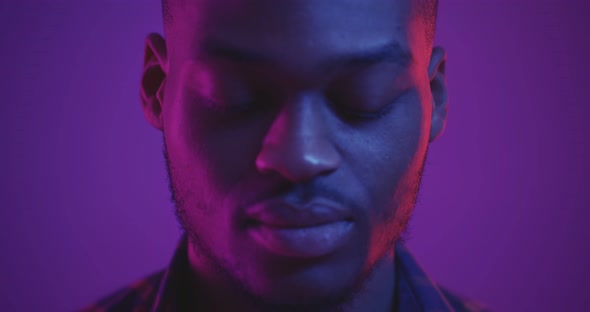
{"x": 138, "y": 296}
{"x": 461, "y": 303}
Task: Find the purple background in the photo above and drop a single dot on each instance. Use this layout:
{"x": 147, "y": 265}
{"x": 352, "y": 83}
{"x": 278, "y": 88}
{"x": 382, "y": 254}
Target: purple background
{"x": 504, "y": 209}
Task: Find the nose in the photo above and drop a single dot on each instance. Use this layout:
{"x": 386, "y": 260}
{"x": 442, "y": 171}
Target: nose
{"x": 298, "y": 145}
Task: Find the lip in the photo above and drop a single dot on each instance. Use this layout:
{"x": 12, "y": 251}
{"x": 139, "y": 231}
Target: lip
{"x": 282, "y": 214}
{"x": 313, "y": 230}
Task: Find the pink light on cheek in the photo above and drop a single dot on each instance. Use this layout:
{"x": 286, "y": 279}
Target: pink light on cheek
{"x": 198, "y": 79}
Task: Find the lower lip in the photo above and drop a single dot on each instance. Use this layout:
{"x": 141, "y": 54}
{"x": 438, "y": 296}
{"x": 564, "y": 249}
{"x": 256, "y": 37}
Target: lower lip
{"x": 303, "y": 242}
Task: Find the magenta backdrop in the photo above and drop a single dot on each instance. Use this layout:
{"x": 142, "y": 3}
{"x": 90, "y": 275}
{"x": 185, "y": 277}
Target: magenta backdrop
{"x": 503, "y": 214}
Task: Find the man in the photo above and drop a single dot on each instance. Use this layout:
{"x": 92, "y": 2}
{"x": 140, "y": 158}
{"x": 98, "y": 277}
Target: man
{"x": 295, "y": 135}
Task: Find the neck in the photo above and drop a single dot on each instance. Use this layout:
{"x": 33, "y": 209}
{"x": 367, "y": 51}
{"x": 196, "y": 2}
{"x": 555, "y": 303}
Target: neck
{"x": 215, "y": 293}
{"x": 379, "y": 288}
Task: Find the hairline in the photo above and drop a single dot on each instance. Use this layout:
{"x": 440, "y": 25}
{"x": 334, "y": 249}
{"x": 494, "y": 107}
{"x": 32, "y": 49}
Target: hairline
{"x": 427, "y": 10}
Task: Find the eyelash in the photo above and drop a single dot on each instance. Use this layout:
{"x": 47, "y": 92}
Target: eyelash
{"x": 350, "y": 114}
{"x": 366, "y": 116}
{"x": 228, "y": 109}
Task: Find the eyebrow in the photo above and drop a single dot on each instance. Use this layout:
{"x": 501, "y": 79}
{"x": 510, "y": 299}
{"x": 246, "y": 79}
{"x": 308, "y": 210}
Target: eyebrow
{"x": 391, "y": 52}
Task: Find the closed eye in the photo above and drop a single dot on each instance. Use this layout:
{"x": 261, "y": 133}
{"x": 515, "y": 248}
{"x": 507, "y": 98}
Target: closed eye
{"x": 226, "y": 107}
{"x": 351, "y": 114}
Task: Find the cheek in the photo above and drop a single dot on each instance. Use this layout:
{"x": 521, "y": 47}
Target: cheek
{"x": 400, "y": 178}
{"x": 396, "y": 145}
{"x": 215, "y": 152}
{"x": 389, "y": 163}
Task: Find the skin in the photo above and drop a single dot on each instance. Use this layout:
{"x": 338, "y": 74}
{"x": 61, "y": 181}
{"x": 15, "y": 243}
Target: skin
{"x": 310, "y": 99}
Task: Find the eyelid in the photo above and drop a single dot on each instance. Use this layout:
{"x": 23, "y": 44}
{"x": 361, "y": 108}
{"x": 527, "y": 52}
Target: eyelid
{"x": 214, "y": 104}
{"x": 364, "y": 114}
{"x": 210, "y": 103}
{"x": 233, "y": 107}
{"x": 360, "y": 114}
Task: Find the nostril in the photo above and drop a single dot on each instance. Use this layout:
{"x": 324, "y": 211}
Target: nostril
{"x": 299, "y": 160}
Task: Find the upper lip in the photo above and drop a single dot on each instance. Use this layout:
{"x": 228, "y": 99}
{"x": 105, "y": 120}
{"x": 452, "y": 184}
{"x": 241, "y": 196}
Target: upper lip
{"x": 283, "y": 214}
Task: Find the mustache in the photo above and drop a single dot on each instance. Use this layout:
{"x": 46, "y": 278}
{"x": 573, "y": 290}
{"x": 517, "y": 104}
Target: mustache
{"x": 299, "y": 194}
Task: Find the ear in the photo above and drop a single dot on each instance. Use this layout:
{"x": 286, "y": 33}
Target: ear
{"x": 438, "y": 88}
{"x": 153, "y": 79}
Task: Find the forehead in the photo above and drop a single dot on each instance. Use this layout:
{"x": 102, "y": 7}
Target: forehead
{"x": 298, "y": 32}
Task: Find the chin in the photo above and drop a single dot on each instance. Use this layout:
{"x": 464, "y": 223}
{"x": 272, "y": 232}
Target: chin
{"x": 306, "y": 290}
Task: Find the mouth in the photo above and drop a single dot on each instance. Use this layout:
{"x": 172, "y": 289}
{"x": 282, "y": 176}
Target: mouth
{"x": 313, "y": 230}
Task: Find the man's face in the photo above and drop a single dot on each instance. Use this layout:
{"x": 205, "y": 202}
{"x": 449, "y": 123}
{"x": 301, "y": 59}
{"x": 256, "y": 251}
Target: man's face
{"x": 295, "y": 134}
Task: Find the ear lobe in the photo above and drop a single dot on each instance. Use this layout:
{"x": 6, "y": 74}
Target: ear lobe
{"x": 438, "y": 88}
{"x": 153, "y": 79}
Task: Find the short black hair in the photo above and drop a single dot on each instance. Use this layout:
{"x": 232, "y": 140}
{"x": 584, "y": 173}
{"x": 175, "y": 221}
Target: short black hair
{"x": 429, "y": 12}
{"x": 167, "y": 11}
{"x": 428, "y": 9}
